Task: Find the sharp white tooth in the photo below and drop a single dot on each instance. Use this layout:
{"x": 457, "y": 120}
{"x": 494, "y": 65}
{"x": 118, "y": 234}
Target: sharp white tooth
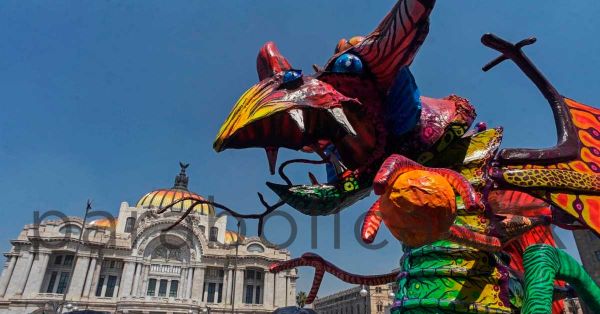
{"x": 339, "y": 115}
{"x": 313, "y": 179}
{"x": 337, "y": 164}
{"x": 272, "y": 157}
{"x": 298, "y": 117}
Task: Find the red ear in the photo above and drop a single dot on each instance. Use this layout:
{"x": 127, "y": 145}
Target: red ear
{"x": 270, "y": 61}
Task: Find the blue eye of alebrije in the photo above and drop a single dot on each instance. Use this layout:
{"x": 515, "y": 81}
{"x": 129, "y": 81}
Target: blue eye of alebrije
{"x": 291, "y": 75}
{"x": 347, "y": 63}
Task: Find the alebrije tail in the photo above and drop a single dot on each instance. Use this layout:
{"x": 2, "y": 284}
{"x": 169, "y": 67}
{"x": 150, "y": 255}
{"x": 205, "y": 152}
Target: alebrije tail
{"x": 543, "y": 264}
{"x": 516, "y": 249}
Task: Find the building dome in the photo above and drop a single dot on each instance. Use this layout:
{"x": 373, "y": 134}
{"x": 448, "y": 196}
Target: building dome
{"x": 103, "y": 223}
{"x": 160, "y": 198}
{"x": 231, "y": 237}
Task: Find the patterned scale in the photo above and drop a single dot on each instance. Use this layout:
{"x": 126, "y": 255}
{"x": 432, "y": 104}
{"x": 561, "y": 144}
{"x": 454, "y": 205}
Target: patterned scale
{"x": 446, "y": 277}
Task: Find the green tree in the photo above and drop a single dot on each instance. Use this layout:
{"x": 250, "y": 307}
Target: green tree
{"x": 301, "y": 298}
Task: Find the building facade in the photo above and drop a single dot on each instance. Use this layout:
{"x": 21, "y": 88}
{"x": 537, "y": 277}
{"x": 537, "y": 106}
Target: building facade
{"x": 376, "y": 300}
{"x": 588, "y": 245}
{"x": 129, "y": 264}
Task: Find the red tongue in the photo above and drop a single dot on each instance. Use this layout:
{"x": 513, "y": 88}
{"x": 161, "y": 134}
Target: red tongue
{"x": 272, "y": 157}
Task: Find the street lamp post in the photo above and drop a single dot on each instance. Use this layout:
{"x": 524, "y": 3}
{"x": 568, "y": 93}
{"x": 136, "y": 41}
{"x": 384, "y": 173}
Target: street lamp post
{"x": 233, "y": 280}
{"x": 364, "y": 293}
{"x": 74, "y": 263}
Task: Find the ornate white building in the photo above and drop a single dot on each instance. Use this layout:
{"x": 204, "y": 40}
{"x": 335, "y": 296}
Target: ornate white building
{"x": 128, "y": 265}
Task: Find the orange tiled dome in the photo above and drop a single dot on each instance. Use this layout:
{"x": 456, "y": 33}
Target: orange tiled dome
{"x": 102, "y": 223}
{"x": 232, "y": 237}
{"x": 163, "y": 197}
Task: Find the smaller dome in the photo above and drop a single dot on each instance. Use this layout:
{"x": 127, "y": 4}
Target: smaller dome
{"x": 232, "y": 237}
{"x": 104, "y": 223}
{"x": 163, "y": 197}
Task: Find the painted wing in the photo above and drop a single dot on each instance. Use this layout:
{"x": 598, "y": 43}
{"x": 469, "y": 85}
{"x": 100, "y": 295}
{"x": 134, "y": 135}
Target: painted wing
{"x": 573, "y": 185}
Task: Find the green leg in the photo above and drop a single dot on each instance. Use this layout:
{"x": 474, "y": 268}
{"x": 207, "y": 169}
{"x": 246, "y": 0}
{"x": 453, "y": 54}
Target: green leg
{"x": 543, "y": 264}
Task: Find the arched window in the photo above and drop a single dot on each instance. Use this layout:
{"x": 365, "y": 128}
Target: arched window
{"x": 255, "y": 248}
{"x": 70, "y": 230}
{"x": 379, "y": 307}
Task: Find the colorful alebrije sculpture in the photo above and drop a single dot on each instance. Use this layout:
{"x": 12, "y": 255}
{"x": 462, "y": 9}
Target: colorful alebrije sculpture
{"x": 474, "y": 221}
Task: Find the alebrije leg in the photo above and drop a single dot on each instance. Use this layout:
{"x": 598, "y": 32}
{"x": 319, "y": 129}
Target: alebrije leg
{"x": 543, "y": 265}
{"x": 396, "y": 164}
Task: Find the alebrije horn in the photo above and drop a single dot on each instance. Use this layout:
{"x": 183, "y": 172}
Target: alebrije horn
{"x": 270, "y": 61}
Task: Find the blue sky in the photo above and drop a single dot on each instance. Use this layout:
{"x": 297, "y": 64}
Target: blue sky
{"x": 101, "y": 99}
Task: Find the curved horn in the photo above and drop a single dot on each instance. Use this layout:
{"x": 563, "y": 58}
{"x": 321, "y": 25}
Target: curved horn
{"x": 270, "y": 61}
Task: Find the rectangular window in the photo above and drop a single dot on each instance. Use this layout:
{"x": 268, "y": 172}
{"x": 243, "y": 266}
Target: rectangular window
{"x": 151, "y": 287}
{"x": 211, "y": 292}
{"x": 258, "y": 296}
{"x": 112, "y": 264}
{"x": 58, "y": 260}
{"x": 51, "y": 282}
{"x": 214, "y": 231}
{"x": 110, "y": 286}
{"x": 162, "y": 288}
{"x": 68, "y": 260}
{"x": 173, "y": 289}
{"x": 99, "y": 286}
{"x": 62, "y": 282}
{"x": 249, "y": 294}
{"x": 129, "y": 223}
{"x": 220, "y": 299}
{"x": 253, "y": 283}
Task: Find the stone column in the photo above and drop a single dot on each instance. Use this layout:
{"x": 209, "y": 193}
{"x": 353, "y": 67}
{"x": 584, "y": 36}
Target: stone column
{"x": 239, "y": 287}
{"x": 7, "y": 274}
{"x": 144, "y": 281}
{"x": 188, "y": 289}
{"x": 36, "y": 277}
{"x": 136, "y": 279}
{"x": 126, "y": 279}
{"x": 20, "y": 274}
{"x": 95, "y": 277}
{"x": 198, "y": 283}
{"x": 75, "y": 290}
{"x": 89, "y": 277}
{"x": 117, "y": 286}
{"x": 181, "y": 293}
{"x": 226, "y": 286}
{"x": 280, "y": 285}
{"x": 268, "y": 289}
